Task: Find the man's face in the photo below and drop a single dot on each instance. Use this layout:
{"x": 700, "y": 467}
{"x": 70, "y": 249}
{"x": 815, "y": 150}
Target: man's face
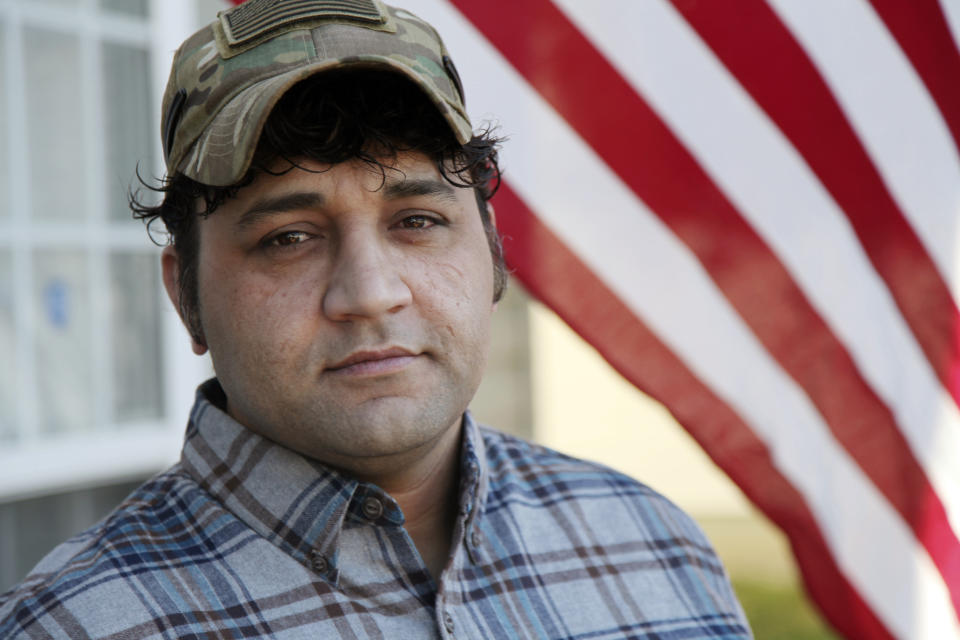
{"x": 347, "y": 316}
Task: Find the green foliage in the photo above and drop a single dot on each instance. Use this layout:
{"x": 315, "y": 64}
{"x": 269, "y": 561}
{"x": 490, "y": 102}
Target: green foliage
{"x": 780, "y": 612}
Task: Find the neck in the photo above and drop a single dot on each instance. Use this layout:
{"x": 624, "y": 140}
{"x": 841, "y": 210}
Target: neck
{"x": 427, "y": 493}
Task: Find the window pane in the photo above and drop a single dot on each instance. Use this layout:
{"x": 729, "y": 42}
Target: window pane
{"x": 52, "y": 74}
{"x": 137, "y": 366}
{"x": 129, "y": 129}
{"x": 8, "y": 382}
{"x": 132, "y": 7}
{"x": 61, "y": 321}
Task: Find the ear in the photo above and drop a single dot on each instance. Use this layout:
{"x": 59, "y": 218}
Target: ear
{"x": 170, "y": 261}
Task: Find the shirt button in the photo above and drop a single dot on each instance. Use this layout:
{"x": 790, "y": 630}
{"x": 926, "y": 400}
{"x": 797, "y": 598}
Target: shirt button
{"x": 448, "y": 622}
{"x": 476, "y": 538}
{"x": 318, "y": 562}
{"x": 372, "y": 508}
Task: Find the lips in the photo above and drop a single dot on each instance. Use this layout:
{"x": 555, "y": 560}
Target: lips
{"x": 374, "y": 361}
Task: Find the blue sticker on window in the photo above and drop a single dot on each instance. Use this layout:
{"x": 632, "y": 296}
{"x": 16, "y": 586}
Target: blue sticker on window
{"x": 56, "y": 302}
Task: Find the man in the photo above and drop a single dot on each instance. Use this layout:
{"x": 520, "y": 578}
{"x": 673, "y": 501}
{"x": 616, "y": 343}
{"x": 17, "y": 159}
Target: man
{"x": 334, "y": 251}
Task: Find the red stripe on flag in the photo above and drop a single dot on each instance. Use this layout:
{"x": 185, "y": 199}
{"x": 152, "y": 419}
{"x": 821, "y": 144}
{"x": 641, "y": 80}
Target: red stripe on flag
{"x": 922, "y": 32}
{"x": 552, "y": 273}
{"x": 765, "y": 58}
{"x": 584, "y": 88}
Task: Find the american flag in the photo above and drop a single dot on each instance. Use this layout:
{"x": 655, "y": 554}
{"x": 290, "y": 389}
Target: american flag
{"x": 750, "y": 209}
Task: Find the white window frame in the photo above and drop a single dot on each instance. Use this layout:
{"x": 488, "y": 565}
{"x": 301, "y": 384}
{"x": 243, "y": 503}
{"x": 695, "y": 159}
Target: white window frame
{"x": 40, "y": 463}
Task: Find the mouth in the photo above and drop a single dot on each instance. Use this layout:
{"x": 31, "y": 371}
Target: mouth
{"x": 372, "y": 362}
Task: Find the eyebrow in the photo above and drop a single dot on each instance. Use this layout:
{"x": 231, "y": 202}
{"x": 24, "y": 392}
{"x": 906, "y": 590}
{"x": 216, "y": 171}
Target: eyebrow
{"x": 278, "y": 204}
{"x": 268, "y": 206}
{"x": 419, "y": 187}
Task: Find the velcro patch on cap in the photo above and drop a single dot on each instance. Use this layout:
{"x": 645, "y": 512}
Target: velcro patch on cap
{"x": 258, "y": 19}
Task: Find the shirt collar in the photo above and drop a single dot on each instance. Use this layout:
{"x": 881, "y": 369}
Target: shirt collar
{"x": 293, "y": 501}
{"x": 474, "y": 474}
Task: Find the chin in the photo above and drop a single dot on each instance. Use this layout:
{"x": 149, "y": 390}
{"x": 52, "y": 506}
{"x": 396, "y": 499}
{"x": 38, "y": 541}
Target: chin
{"x": 388, "y": 433}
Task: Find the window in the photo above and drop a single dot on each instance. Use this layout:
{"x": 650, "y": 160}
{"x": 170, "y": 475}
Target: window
{"x": 89, "y": 390}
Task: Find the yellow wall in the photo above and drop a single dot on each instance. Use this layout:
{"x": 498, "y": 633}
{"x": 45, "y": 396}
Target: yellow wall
{"x": 583, "y": 407}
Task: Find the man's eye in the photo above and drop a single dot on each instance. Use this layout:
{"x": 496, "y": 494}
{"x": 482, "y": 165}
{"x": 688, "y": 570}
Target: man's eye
{"x": 417, "y": 222}
{"x": 287, "y": 239}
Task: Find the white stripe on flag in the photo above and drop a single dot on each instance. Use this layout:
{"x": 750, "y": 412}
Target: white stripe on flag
{"x": 655, "y": 50}
{"x": 894, "y": 116}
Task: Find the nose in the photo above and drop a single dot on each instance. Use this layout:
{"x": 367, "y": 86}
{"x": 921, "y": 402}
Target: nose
{"x": 365, "y": 281}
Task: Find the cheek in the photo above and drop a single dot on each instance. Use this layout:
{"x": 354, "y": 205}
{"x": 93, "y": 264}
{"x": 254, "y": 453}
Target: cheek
{"x": 466, "y": 268}
{"x": 242, "y": 310}
{"x": 456, "y": 296}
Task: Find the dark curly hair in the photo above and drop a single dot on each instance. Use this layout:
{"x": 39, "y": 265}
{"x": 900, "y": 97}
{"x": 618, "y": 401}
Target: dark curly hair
{"x": 366, "y": 114}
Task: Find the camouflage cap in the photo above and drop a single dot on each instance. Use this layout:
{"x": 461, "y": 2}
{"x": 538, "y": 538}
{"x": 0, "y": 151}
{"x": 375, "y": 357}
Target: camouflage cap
{"x": 227, "y": 77}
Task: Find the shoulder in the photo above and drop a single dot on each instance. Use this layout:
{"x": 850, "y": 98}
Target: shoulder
{"x": 556, "y": 502}
{"x": 518, "y": 465}
{"x": 527, "y": 473}
{"x": 90, "y": 574}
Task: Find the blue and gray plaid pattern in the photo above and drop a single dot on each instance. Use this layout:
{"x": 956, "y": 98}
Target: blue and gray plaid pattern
{"x": 246, "y": 539}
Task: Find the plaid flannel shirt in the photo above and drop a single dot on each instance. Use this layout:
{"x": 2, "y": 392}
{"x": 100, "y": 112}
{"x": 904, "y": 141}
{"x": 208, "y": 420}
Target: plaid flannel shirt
{"x": 244, "y": 538}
